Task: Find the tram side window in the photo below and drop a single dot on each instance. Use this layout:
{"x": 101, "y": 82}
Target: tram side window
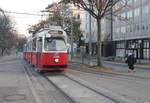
{"x": 39, "y": 46}
{"x": 28, "y": 47}
{"x": 34, "y": 45}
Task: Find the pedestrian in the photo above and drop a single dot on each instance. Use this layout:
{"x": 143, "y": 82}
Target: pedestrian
{"x": 16, "y": 52}
{"x": 131, "y": 60}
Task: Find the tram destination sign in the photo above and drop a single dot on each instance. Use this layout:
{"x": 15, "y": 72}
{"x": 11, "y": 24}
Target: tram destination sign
{"x": 55, "y": 32}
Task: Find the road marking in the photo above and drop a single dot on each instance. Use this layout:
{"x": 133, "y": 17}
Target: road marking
{"x": 35, "y": 95}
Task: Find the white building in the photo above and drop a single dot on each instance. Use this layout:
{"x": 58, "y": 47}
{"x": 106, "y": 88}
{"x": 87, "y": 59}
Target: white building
{"x": 84, "y": 17}
{"x": 133, "y": 35}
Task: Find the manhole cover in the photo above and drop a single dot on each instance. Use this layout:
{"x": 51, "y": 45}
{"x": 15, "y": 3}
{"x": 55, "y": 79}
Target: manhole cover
{"x": 15, "y": 97}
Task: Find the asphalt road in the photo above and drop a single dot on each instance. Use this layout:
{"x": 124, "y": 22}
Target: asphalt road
{"x": 129, "y": 87}
{"x": 19, "y": 83}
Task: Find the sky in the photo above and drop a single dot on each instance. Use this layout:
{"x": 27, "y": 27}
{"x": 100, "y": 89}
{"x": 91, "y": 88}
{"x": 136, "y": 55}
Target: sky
{"x": 25, "y": 6}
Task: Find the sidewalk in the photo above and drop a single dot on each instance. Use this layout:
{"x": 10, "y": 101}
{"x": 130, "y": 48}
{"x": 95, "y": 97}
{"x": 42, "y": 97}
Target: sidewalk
{"x": 142, "y": 66}
{"x": 14, "y": 86}
{"x": 120, "y": 67}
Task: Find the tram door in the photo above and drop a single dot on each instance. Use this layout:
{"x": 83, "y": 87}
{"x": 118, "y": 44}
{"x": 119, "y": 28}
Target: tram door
{"x": 39, "y": 51}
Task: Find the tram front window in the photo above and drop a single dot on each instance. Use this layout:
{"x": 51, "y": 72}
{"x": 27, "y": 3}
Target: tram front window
{"x": 54, "y": 44}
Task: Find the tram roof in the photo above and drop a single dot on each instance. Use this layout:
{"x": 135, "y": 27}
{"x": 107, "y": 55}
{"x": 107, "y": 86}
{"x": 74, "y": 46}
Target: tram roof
{"x": 44, "y": 31}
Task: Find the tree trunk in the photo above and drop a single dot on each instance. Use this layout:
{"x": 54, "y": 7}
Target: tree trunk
{"x": 99, "y": 60}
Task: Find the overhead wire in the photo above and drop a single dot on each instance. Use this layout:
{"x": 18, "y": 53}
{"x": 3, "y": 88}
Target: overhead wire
{"x": 24, "y": 13}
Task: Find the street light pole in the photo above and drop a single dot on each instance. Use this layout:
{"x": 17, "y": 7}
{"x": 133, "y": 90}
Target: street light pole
{"x": 90, "y": 38}
{"x": 111, "y": 31}
{"x": 71, "y": 38}
{"x": 71, "y": 20}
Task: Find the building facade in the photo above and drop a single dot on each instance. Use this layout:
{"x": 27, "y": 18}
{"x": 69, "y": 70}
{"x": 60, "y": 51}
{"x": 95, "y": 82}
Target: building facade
{"x": 86, "y": 21}
{"x": 133, "y": 33}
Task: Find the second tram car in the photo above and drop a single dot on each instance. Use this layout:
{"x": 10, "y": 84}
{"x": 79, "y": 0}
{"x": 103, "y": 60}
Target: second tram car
{"x": 47, "y": 50}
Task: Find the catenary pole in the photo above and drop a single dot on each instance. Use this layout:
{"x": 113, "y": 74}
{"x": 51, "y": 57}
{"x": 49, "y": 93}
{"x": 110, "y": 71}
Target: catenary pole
{"x": 90, "y": 38}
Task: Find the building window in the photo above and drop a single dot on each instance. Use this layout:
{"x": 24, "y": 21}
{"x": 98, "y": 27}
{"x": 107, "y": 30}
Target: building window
{"x": 143, "y": 27}
{"x": 146, "y": 27}
{"x": 137, "y": 12}
{"x": 146, "y": 53}
{"x": 145, "y": 9}
{"x": 146, "y": 44}
{"x": 120, "y": 45}
{"x": 146, "y": 50}
{"x": 123, "y": 30}
{"x": 138, "y": 27}
{"x": 123, "y": 15}
{"x": 120, "y": 49}
{"x": 129, "y": 14}
{"x": 134, "y": 28}
{"x": 130, "y": 2}
{"x": 128, "y": 28}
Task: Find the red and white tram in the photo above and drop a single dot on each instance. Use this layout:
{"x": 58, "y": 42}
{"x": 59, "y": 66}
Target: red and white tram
{"x": 47, "y": 50}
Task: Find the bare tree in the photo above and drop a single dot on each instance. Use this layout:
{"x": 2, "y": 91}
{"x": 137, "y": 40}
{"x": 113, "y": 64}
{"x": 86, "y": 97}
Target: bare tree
{"x": 99, "y": 9}
{"x": 36, "y": 27}
{"x": 59, "y": 14}
{"x": 7, "y": 34}
{"x": 62, "y": 15}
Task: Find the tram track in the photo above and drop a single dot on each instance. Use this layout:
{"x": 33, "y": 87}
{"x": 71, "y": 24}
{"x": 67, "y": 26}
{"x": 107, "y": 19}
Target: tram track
{"x": 60, "y": 90}
{"x": 101, "y": 94}
{"x": 29, "y": 79}
{"x": 71, "y": 99}
{"x": 35, "y": 94}
{"x": 115, "y": 98}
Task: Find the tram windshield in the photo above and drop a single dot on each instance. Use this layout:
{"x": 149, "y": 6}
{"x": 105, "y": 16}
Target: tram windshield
{"x": 54, "y": 44}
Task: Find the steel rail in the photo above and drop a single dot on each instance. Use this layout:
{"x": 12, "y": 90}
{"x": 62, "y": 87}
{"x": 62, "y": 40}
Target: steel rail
{"x": 97, "y": 92}
{"x": 57, "y": 88}
{"x": 60, "y": 90}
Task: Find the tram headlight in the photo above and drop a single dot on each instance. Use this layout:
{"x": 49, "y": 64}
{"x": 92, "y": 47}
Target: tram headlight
{"x": 56, "y": 60}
